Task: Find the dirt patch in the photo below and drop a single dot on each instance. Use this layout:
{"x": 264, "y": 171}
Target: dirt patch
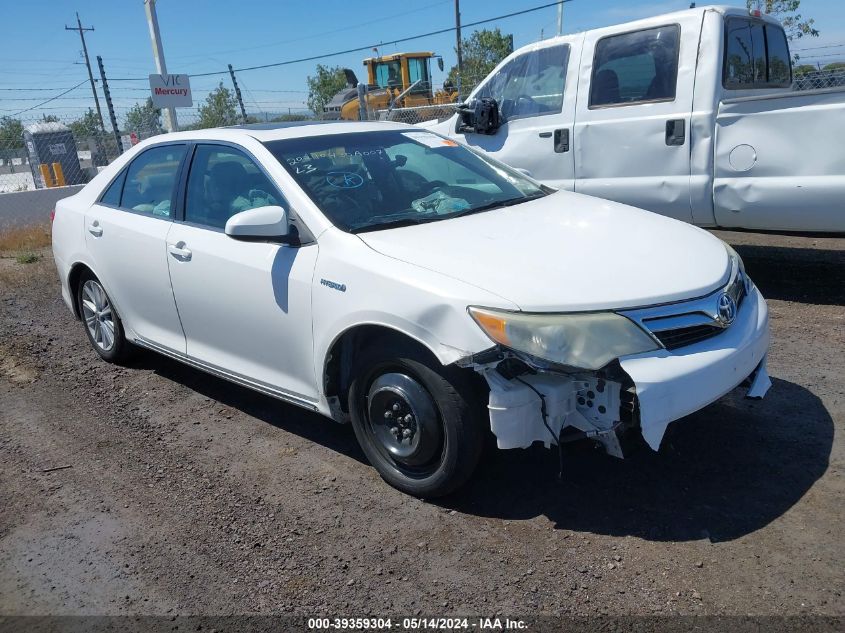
{"x": 190, "y": 495}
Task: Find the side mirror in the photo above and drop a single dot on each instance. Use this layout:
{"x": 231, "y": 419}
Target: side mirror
{"x": 261, "y": 223}
{"x": 440, "y": 63}
{"x": 480, "y": 116}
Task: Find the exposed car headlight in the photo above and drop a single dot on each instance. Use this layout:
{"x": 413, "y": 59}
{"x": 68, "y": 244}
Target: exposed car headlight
{"x": 587, "y": 340}
{"x": 738, "y": 270}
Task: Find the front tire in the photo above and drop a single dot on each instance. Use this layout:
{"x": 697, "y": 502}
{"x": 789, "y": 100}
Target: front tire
{"x": 102, "y": 323}
{"x": 414, "y": 419}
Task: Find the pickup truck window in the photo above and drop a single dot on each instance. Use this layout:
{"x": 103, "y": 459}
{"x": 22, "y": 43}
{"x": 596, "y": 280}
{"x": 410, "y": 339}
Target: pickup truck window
{"x": 530, "y": 84}
{"x": 636, "y": 67}
{"x": 756, "y": 55}
{"x": 780, "y": 66}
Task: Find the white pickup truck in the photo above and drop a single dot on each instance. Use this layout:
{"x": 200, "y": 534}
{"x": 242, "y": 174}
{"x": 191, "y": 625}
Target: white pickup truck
{"x": 690, "y": 114}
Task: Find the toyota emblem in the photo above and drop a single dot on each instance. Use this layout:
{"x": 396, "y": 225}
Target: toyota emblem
{"x": 726, "y": 307}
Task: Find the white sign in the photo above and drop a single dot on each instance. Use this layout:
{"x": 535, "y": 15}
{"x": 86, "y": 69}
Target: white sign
{"x": 171, "y": 91}
{"x": 128, "y": 140}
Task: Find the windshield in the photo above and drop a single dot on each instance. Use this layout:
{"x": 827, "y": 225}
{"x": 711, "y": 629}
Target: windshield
{"x": 371, "y": 180}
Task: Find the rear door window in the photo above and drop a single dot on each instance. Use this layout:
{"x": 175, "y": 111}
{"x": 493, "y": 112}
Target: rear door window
{"x": 151, "y": 181}
{"x": 636, "y": 67}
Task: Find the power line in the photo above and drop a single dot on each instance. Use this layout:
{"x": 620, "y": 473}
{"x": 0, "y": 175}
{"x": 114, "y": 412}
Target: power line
{"x": 842, "y": 55}
{"x": 367, "y": 47}
{"x": 51, "y": 99}
{"x": 815, "y": 48}
{"x": 316, "y": 35}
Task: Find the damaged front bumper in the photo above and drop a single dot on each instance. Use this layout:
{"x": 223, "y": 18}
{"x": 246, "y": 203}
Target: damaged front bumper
{"x": 648, "y": 390}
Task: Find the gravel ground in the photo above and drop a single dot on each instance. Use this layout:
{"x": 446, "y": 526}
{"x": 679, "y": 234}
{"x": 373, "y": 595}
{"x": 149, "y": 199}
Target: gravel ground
{"x": 182, "y": 494}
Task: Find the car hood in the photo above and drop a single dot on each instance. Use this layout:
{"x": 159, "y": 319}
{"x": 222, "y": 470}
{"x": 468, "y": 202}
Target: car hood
{"x": 566, "y": 252}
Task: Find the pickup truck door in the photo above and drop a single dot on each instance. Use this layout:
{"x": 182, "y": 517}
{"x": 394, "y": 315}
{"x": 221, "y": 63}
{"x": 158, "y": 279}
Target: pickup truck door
{"x": 632, "y": 141}
{"x": 536, "y": 97}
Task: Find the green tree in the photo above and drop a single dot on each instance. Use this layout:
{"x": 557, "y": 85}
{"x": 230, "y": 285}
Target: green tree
{"x": 481, "y": 52}
{"x": 290, "y": 117}
{"x": 835, "y": 66}
{"x": 323, "y": 86}
{"x": 803, "y": 69}
{"x": 786, "y": 11}
{"x": 220, "y": 109}
{"x": 86, "y": 126}
{"x": 11, "y": 133}
{"x": 49, "y": 118}
{"x": 144, "y": 118}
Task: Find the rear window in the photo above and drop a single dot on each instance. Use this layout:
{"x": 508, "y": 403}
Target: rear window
{"x": 756, "y": 55}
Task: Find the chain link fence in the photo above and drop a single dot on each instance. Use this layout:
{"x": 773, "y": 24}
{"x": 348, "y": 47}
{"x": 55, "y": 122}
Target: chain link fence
{"x": 820, "y": 79}
{"x": 417, "y": 114}
{"x": 56, "y": 150}
{"x": 48, "y": 157}
{"x": 59, "y": 150}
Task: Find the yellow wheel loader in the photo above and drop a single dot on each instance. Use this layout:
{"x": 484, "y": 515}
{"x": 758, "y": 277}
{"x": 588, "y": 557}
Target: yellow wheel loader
{"x": 401, "y": 80}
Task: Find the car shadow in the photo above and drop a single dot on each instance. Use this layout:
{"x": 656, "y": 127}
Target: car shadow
{"x": 720, "y": 474}
{"x": 808, "y": 275}
{"x": 288, "y": 417}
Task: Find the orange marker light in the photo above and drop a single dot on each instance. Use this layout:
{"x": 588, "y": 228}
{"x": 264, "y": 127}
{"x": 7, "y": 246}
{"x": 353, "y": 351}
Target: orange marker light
{"x": 494, "y": 325}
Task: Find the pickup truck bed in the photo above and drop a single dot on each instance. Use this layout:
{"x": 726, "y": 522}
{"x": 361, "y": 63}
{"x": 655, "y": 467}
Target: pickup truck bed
{"x": 780, "y": 160}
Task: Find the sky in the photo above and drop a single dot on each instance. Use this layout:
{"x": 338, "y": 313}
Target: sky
{"x": 40, "y": 59}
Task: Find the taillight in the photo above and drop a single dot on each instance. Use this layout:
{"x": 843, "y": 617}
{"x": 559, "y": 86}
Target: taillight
{"x": 52, "y": 215}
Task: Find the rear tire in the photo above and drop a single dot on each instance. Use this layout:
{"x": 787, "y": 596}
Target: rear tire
{"x": 100, "y": 319}
{"x": 414, "y": 419}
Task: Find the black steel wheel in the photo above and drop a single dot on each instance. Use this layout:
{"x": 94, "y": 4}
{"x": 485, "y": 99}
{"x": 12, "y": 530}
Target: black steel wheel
{"x": 415, "y": 419}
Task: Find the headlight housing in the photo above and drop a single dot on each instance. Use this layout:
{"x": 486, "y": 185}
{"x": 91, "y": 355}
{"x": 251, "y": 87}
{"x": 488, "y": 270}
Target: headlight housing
{"x": 738, "y": 273}
{"x": 582, "y": 340}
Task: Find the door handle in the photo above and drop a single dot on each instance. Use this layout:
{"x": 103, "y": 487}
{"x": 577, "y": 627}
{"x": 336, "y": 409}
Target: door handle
{"x": 95, "y": 229}
{"x": 562, "y": 140}
{"x": 179, "y": 251}
{"x": 675, "y": 132}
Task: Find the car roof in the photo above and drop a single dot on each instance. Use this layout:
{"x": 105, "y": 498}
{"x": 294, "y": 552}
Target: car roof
{"x": 264, "y": 132}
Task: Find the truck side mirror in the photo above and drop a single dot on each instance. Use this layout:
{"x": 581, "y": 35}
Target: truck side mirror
{"x": 479, "y": 115}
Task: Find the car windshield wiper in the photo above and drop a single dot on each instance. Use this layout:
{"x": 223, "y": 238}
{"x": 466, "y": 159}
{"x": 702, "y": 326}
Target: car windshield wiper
{"x": 395, "y": 224}
{"x": 498, "y": 204}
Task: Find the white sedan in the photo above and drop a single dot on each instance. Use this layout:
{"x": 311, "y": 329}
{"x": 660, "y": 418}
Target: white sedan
{"x": 384, "y": 275}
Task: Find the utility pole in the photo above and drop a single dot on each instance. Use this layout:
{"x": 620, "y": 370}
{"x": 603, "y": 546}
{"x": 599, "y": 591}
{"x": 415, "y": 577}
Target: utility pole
{"x": 81, "y": 31}
{"x": 458, "y": 44}
{"x": 560, "y": 18}
{"x": 238, "y": 93}
{"x": 109, "y": 105}
{"x": 158, "y": 54}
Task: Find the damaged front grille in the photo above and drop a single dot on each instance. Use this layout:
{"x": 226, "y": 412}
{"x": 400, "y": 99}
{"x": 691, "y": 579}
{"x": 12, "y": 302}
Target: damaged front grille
{"x": 685, "y": 323}
{"x": 681, "y": 337}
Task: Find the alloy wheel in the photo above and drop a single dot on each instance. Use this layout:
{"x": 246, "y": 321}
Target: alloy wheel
{"x": 98, "y": 314}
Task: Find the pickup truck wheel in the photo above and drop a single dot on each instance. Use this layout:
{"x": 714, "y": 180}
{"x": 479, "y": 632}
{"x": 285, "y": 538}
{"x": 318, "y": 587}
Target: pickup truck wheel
{"x": 102, "y": 323}
{"x": 413, "y": 421}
